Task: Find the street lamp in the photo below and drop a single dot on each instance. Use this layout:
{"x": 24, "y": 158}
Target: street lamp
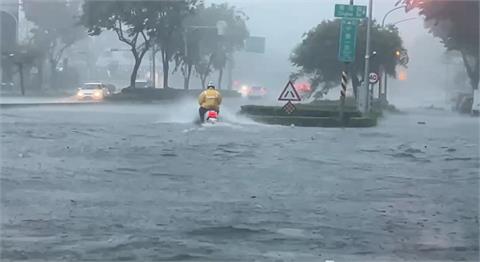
{"x": 391, "y": 11}
{"x": 367, "y": 81}
{"x": 383, "y": 74}
{"x": 364, "y": 105}
{"x": 221, "y": 27}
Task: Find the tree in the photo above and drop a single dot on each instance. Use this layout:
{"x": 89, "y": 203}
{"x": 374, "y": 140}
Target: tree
{"x": 138, "y": 24}
{"x": 168, "y": 31}
{"x": 316, "y": 56}
{"x": 132, "y": 21}
{"x": 54, "y": 33}
{"x": 23, "y": 58}
{"x": 206, "y": 49}
{"x": 455, "y": 22}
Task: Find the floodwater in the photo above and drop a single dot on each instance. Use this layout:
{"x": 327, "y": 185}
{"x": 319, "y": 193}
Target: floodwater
{"x": 118, "y": 182}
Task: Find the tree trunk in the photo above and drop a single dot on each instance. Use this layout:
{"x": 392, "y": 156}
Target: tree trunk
{"x": 166, "y": 67}
{"x": 22, "y": 85}
{"x": 476, "y": 74}
{"x": 40, "y": 74}
{"x": 53, "y": 74}
{"x": 186, "y": 83}
{"x": 229, "y": 74}
{"x": 220, "y": 76}
{"x": 133, "y": 76}
{"x": 203, "y": 79}
{"x": 472, "y": 71}
{"x": 355, "y": 84}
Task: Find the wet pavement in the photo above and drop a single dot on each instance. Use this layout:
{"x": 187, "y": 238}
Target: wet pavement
{"x": 144, "y": 183}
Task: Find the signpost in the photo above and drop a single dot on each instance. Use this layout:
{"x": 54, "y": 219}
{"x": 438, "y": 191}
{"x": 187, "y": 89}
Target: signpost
{"x": 289, "y": 94}
{"x": 255, "y": 44}
{"x": 350, "y": 11}
{"x": 348, "y": 40}
{"x": 373, "y": 78}
{"x": 350, "y": 15}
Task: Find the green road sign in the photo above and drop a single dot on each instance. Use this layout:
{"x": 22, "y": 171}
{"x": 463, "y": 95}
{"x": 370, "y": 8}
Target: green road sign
{"x": 255, "y": 44}
{"x": 350, "y": 11}
{"x": 348, "y": 40}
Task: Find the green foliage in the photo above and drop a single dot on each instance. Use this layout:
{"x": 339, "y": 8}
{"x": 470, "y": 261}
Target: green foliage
{"x": 316, "y": 55}
{"x": 168, "y": 31}
{"x": 456, "y": 24}
{"x": 205, "y": 48}
{"x": 139, "y": 24}
{"x": 129, "y": 19}
{"x": 56, "y": 29}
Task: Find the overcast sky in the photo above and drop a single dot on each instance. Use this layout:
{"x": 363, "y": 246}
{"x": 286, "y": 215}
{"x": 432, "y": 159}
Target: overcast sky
{"x": 282, "y": 23}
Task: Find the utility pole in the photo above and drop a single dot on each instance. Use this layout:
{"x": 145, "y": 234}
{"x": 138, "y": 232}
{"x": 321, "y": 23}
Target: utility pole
{"x": 154, "y": 69}
{"x": 230, "y": 71}
{"x": 365, "y": 105}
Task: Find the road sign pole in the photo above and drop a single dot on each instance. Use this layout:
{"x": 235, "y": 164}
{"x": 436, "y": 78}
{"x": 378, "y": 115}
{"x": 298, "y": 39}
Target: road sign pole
{"x": 370, "y": 96}
{"x": 343, "y": 92}
{"x": 154, "y": 68}
{"x": 380, "y": 83}
{"x": 385, "y": 86}
{"x": 364, "y": 105}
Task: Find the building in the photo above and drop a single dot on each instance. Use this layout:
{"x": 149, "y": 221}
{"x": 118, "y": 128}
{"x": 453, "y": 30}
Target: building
{"x": 8, "y": 36}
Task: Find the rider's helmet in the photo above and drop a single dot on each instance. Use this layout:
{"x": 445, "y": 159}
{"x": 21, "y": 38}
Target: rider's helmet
{"x": 210, "y": 85}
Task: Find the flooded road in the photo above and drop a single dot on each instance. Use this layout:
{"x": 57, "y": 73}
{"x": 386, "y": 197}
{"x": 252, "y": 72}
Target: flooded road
{"x": 112, "y": 182}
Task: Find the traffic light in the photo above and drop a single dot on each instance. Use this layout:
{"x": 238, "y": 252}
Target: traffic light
{"x": 402, "y": 75}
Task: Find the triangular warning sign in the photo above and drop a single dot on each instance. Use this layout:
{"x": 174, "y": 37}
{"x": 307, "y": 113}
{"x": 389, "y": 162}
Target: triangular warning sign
{"x": 289, "y": 93}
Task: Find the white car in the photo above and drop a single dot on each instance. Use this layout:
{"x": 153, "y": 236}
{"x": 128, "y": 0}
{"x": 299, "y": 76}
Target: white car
{"x": 95, "y": 91}
{"x": 252, "y": 91}
{"x": 143, "y": 84}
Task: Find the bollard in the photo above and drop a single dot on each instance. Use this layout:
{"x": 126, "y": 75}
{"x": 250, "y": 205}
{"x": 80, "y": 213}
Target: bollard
{"x": 343, "y": 93}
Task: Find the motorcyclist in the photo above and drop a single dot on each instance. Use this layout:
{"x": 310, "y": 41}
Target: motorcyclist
{"x": 210, "y": 99}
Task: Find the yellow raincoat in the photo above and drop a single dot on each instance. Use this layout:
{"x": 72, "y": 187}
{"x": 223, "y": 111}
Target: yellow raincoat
{"x": 210, "y": 99}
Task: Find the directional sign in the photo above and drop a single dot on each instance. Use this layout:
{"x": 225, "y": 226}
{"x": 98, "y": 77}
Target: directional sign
{"x": 255, "y": 44}
{"x": 348, "y": 40}
{"x": 373, "y": 78}
{"x": 289, "y": 107}
{"x": 350, "y": 11}
{"x": 289, "y": 93}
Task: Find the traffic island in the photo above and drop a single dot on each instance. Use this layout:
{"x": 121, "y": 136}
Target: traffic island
{"x": 153, "y": 94}
{"x": 310, "y": 115}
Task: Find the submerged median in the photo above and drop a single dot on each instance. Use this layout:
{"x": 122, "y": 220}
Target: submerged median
{"x": 316, "y": 114}
{"x": 152, "y": 94}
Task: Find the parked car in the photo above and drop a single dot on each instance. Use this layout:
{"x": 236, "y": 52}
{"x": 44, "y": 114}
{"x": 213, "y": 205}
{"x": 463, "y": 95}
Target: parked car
{"x": 111, "y": 88}
{"x": 252, "y": 91}
{"x": 139, "y": 85}
{"x": 7, "y": 86}
{"x": 143, "y": 84}
{"x": 304, "y": 89}
{"x": 256, "y": 92}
